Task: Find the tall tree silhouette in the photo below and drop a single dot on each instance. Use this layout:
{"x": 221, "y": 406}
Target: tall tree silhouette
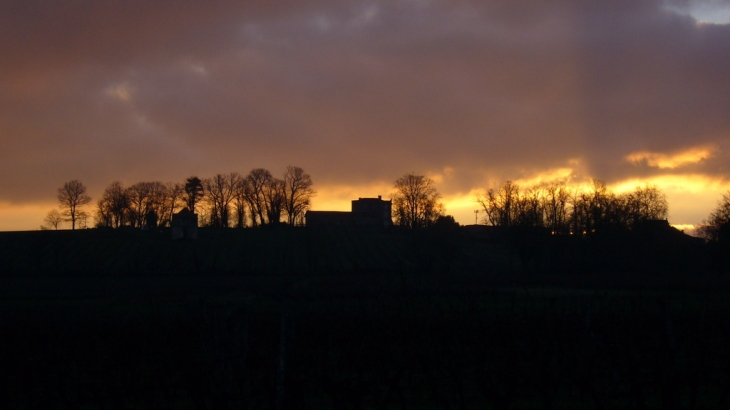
{"x": 221, "y": 191}
{"x": 113, "y": 207}
{"x": 500, "y": 205}
{"x": 194, "y": 192}
{"x": 416, "y": 201}
{"x": 240, "y": 202}
{"x": 256, "y": 182}
{"x": 556, "y": 209}
{"x": 274, "y": 200}
{"x": 71, "y": 197}
{"x": 298, "y": 194}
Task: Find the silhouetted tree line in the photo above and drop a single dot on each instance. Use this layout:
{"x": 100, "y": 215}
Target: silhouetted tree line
{"x": 259, "y": 198}
{"x": 571, "y": 211}
{"x": 222, "y": 201}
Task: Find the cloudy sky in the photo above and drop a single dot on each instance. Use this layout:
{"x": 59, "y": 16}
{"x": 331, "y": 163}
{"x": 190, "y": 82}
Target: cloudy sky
{"x": 358, "y": 93}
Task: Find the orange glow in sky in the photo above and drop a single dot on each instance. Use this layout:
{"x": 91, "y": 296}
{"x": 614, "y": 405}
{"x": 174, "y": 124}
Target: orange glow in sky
{"x": 23, "y": 217}
{"x": 671, "y": 161}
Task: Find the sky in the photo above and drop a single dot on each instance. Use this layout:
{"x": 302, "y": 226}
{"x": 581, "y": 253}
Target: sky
{"x": 470, "y": 93}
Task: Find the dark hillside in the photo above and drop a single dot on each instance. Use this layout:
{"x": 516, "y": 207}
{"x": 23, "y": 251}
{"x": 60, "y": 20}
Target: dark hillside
{"x": 664, "y": 255}
{"x": 357, "y": 342}
{"x": 290, "y": 252}
{"x": 335, "y": 319}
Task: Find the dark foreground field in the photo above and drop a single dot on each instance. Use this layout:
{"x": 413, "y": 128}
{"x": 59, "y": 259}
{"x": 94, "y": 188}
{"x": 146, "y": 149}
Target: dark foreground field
{"x": 395, "y": 338}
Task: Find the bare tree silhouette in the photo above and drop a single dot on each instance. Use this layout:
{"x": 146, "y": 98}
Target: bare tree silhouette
{"x": 298, "y": 194}
{"x": 221, "y": 191}
{"x": 113, "y": 207}
{"x": 256, "y": 182}
{"x": 555, "y": 205}
{"x": 416, "y": 201}
{"x": 71, "y": 197}
{"x": 580, "y": 211}
{"x": 240, "y": 202}
{"x": 501, "y": 205}
{"x": 53, "y": 219}
{"x": 644, "y": 203}
{"x": 274, "y": 200}
{"x": 146, "y": 198}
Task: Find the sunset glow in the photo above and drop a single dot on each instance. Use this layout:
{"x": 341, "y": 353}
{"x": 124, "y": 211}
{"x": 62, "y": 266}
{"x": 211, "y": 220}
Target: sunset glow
{"x": 690, "y": 184}
{"x": 671, "y": 161}
{"x": 24, "y": 217}
{"x": 339, "y": 198}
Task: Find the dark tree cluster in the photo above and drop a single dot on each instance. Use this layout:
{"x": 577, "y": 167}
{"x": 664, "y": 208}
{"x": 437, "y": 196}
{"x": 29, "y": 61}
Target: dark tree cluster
{"x": 144, "y": 203}
{"x": 563, "y": 211}
{"x": 416, "y": 202}
{"x": 222, "y": 201}
{"x": 717, "y": 226}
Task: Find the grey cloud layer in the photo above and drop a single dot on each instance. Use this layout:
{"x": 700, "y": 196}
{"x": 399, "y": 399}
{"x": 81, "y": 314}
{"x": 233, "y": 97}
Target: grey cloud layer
{"x": 354, "y": 91}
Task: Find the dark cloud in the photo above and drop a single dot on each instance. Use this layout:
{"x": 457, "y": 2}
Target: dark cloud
{"x": 353, "y": 91}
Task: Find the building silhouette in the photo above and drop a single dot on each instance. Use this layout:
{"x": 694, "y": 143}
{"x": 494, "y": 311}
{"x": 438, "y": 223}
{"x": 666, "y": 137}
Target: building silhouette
{"x": 184, "y": 225}
{"x": 366, "y": 213}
